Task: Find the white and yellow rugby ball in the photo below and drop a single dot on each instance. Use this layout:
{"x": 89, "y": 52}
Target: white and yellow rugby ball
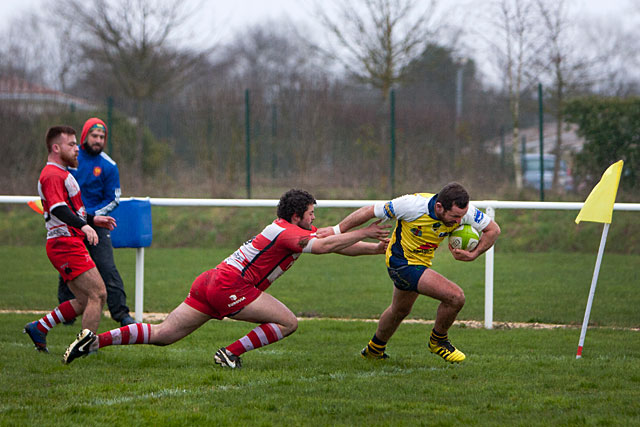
{"x": 464, "y": 237}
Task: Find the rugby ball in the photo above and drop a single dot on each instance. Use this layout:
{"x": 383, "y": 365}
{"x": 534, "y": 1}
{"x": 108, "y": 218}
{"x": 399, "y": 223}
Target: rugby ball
{"x": 464, "y": 237}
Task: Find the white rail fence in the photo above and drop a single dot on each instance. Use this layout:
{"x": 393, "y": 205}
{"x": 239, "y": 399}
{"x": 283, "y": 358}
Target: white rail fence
{"x": 490, "y": 207}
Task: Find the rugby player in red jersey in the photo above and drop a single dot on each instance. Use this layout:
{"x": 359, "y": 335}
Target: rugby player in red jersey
{"x": 67, "y": 227}
{"x": 235, "y": 288}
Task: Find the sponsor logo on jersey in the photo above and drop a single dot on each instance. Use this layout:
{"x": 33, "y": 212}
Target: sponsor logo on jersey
{"x": 436, "y": 226}
{"x": 233, "y": 297}
{"x": 417, "y": 231}
{"x": 479, "y": 216}
{"x": 237, "y": 301}
{"x": 426, "y": 248}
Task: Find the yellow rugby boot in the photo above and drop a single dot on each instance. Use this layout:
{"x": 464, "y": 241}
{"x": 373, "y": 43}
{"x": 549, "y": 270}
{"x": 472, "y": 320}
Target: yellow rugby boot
{"x": 368, "y": 354}
{"x": 448, "y": 352}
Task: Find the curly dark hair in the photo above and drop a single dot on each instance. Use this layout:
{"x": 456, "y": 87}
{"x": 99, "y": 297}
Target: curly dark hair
{"x": 453, "y": 193}
{"x": 294, "y": 202}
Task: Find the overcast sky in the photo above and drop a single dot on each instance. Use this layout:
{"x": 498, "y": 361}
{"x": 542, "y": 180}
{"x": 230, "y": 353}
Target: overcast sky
{"x": 239, "y": 13}
{"x": 229, "y": 17}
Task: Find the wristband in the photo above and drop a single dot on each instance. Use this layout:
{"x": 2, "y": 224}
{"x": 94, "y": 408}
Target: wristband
{"x": 336, "y": 229}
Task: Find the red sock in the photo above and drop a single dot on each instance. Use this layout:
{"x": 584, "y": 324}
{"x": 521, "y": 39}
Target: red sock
{"x": 137, "y": 333}
{"x": 265, "y": 334}
{"x": 62, "y": 313}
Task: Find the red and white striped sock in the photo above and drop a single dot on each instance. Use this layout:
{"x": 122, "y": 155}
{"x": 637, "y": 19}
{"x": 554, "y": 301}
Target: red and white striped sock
{"x": 136, "y": 333}
{"x": 62, "y": 313}
{"x": 265, "y": 334}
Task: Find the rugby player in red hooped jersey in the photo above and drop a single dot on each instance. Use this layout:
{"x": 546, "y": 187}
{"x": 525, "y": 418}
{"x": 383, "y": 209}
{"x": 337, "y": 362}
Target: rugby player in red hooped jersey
{"x": 67, "y": 226}
{"x": 235, "y": 288}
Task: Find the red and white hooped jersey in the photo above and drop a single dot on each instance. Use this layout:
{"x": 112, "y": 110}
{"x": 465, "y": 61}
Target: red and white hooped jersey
{"x": 264, "y": 258}
{"x": 56, "y": 187}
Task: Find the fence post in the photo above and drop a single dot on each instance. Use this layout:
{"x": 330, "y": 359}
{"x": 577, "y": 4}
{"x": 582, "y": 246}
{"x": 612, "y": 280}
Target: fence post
{"x": 392, "y": 134}
{"x": 247, "y": 130}
{"x": 541, "y": 136}
{"x": 109, "y": 125}
{"x": 488, "y": 280}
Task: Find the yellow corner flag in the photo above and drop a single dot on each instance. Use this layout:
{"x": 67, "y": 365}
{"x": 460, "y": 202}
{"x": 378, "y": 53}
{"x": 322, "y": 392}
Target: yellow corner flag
{"x": 599, "y": 205}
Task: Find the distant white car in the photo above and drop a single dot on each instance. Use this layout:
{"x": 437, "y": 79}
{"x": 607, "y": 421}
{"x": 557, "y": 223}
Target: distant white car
{"x": 531, "y": 172}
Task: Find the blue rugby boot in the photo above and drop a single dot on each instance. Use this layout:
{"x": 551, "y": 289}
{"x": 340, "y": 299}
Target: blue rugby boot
{"x": 38, "y": 337}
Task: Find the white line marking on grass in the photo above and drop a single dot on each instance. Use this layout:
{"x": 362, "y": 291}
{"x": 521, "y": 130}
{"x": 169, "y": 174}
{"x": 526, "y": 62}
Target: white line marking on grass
{"x": 153, "y": 395}
{"x": 473, "y": 324}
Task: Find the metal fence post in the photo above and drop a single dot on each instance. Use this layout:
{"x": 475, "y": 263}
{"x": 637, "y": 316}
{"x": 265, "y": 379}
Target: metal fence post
{"x": 392, "y": 128}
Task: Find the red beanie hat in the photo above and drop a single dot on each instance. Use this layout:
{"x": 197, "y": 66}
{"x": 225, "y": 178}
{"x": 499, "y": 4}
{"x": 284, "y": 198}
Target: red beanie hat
{"x": 88, "y": 125}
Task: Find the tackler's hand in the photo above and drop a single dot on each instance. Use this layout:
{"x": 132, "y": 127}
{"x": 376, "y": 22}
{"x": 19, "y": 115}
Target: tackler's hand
{"x": 377, "y": 231}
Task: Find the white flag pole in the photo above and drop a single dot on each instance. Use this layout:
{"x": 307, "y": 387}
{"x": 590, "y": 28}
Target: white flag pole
{"x": 592, "y": 291}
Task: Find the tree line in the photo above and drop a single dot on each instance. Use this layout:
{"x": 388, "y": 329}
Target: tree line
{"x": 318, "y": 108}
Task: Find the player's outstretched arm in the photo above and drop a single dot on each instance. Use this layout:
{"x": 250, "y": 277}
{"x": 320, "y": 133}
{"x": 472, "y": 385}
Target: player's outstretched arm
{"x": 355, "y": 219}
{"x": 365, "y": 248}
{"x": 342, "y": 241}
{"x": 489, "y": 236}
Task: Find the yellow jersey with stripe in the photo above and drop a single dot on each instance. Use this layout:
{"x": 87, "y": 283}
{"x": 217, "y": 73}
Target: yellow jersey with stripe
{"x": 418, "y": 231}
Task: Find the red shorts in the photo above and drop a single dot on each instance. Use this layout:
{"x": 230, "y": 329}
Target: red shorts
{"x": 220, "y": 293}
{"x": 69, "y": 256}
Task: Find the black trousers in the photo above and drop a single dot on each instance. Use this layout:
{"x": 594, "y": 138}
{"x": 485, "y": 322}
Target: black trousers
{"x": 102, "y": 255}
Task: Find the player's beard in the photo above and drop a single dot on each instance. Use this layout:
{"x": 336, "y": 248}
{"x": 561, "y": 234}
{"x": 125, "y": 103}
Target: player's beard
{"x": 447, "y": 223}
{"x": 90, "y": 150}
{"x": 306, "y": 225}
{"x": 70, "y": 160}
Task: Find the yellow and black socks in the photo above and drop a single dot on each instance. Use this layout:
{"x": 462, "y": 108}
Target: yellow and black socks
{"x": 437, "y": 337}
{"x": 376, "y": 347}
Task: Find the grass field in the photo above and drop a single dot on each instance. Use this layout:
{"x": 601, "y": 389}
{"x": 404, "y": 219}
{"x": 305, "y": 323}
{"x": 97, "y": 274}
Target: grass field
{"x": 316, "y": 377}
{"x": 535, "y": 287}
{"x": 198, "y": 227}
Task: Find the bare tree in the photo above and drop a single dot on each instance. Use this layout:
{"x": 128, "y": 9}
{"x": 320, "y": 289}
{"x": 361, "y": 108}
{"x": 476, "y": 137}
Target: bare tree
{"x": 135, "y": 42}
{"x": 286, "y": 80}
{"x": 375, "y": 40}
{"x": 23, "y": 45}
{"x": 516, "y": 46}
{"x": 269, "y": 58}
{"x": 563, "y": 62}
{"x": 614, "y": 50}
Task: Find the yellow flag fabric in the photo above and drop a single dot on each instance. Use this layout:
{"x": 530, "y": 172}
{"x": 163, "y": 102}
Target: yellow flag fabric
{"x": 36, "y": 205}
{"x": 599, "y": 205}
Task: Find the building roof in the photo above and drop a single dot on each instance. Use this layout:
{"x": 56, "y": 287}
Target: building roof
{"x": 16, "y": 89}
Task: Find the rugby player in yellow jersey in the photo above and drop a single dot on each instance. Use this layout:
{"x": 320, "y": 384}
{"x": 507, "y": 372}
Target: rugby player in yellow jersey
{"x": 423, "y": 221}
